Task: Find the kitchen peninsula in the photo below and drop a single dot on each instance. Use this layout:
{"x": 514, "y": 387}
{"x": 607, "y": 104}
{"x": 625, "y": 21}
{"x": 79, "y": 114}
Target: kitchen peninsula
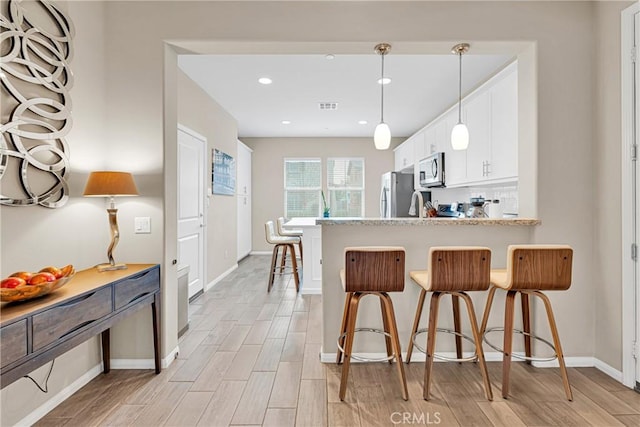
{"x": 416, "y": 236}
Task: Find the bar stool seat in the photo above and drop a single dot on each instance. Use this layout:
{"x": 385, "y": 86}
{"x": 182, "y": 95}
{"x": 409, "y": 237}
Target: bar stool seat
{"x": 530, "y": 270}
{"x": 284, "y": 242}
{"x": 371, "y": 271}
{"x": 290, "y": 232}
{"x": 452, "y": 270}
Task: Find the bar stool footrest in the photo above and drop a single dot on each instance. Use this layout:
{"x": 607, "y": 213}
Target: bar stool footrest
{"x": 519, "y": 356}
{"x": 439, "y": 356}
{"x": 366, "y": 359}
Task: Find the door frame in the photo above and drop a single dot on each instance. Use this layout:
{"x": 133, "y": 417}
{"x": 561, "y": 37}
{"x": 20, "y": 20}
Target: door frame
{"x": 630, "y": 309}
{"x": 204, "y": 195}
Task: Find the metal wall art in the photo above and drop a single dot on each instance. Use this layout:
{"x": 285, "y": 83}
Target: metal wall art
{"x": 35, "y": 52}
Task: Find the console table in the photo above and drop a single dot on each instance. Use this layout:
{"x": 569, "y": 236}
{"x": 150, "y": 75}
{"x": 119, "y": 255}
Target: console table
{"x": 35, "y": 332}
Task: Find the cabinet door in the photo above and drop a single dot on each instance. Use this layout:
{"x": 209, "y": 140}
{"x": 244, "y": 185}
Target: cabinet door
{"x": 478, "y": 121}
{"x": 455, "y": 161}
{"x": 504, "y": 128}
{"x": 404, "y": 156}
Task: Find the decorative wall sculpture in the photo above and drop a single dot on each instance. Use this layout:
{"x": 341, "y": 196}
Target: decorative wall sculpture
{"x": 35, "y": 51}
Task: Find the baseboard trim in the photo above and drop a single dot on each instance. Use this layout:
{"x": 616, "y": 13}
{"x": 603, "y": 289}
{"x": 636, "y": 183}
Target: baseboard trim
{"x": 494, "y": 356}
{"x": 260, "y": 253}
{"x": 60, "y": 397}
{"x": 608, "y": 369}
{"x": 144, "y": 363}
{"x": 313, "y": 291}
{"x": 220, "y": 277}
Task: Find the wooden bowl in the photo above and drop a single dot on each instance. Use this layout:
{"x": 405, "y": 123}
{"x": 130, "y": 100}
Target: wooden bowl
{"x": 27, "y": 292}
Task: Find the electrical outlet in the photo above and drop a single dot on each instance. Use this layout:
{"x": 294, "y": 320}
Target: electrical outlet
{"x": 142, "y": 225}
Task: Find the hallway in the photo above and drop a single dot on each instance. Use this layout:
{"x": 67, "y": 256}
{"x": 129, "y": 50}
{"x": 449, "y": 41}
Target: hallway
{"x": 252, "y": 358}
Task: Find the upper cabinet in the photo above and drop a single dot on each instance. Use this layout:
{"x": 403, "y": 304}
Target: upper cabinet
{"x": 491, "y": 115}
{"x": 403, "y": 154}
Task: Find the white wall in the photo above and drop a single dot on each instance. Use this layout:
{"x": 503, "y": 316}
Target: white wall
{"x": 268, "y": 173}
{"x": 198, "y": 112}
{"x": 136, "y": 94}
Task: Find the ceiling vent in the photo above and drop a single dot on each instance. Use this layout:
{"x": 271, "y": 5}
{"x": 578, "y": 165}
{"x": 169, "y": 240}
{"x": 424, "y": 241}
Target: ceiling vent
{"x": 328, "y": 106}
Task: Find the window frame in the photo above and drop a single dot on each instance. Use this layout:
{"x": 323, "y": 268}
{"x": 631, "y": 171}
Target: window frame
{"x": 362, "y": 189}
{"x": 285, "y": 188}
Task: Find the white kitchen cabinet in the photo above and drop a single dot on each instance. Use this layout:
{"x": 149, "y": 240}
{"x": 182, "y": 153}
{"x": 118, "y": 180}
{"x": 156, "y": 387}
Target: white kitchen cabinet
{"x": 243, "y": 199}
{"x": 504, "y": 128}
{"x": 404, "y": 156}
{"x": 478, "y": 121}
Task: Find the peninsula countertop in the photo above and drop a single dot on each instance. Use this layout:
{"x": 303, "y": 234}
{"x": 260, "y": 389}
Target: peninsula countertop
{"x": 429, "y": 221}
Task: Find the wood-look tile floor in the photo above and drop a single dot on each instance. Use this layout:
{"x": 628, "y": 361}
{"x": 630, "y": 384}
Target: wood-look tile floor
{"x": 252, "y": 358}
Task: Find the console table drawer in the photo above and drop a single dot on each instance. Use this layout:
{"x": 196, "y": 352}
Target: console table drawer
{"x": 58, "y": 322}
{"x": 137, "y": 287}
{"x": 13, "y": 342}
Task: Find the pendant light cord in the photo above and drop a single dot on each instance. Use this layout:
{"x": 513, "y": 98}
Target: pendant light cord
{"x": 460, "y": 88}
{"x": 382, "y": 91}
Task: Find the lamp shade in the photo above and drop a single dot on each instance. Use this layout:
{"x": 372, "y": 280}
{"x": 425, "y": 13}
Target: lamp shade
{"x": 460, "y": 137}
{"x": 382, "y": 136}
{"x": 109, "y": 183}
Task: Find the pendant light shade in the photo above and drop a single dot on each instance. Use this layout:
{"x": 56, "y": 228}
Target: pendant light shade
{"x": 382, "y": 134}
{"x": 460, "y": 133}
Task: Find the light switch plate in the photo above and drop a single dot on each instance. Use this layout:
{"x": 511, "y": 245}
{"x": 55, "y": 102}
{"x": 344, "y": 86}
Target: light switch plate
{"x": 142, "y": 224}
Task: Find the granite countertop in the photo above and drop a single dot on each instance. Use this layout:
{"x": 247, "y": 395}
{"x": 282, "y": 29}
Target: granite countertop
{"x": 428, "y": 221}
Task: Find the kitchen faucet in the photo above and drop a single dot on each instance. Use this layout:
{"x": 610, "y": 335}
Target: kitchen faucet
{"x": 420, "y": 207}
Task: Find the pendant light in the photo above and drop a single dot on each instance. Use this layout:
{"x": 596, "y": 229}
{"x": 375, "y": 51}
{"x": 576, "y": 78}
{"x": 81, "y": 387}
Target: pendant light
{"x": 382, "y": 134}
{"x": 460, "y": 133}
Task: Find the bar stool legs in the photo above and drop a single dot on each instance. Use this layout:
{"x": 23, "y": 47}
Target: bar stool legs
{"x": 274, "y": 266}
{"x": 526, "y": 332}
{"x": 348, "y": 327}
{"x": 431, "y": 341}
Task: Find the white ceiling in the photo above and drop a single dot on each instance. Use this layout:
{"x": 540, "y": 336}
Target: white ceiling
{"x": 422, "y": 87}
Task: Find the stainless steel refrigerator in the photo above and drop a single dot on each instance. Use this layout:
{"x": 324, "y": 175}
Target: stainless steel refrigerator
{"x": 395, "y": 194}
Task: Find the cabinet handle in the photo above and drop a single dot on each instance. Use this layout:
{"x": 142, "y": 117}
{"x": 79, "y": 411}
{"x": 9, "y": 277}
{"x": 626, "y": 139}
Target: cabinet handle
{"x": 488, "y": 169}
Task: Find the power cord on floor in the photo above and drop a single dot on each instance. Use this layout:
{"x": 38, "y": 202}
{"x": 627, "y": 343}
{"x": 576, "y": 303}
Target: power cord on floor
{"x": 46, "y": 380}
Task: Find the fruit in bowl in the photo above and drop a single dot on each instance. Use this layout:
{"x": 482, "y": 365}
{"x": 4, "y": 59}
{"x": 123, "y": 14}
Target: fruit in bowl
{"x": 24, "y": 285}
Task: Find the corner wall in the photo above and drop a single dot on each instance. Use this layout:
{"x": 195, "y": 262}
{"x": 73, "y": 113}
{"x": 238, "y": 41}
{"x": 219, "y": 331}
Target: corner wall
{"x": 200, "y": 113}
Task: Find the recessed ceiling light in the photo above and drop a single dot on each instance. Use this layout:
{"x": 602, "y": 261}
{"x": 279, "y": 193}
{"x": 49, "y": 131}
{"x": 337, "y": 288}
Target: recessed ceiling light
{"x": 362, "y": 122}
{"x": 265, "y": 80}
{"x": 286, "y": 122}
{"x": 384, "y": 81}
{"x": 330, "y": 56}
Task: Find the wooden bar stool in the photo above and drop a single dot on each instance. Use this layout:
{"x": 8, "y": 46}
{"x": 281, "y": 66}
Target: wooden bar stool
{"x": 290, "y": 232}
{"x": 531, "y": 269}
{"x": 284, "y": 243}
{"x": 453, "y": 270}
{"x": 371, "y": 271}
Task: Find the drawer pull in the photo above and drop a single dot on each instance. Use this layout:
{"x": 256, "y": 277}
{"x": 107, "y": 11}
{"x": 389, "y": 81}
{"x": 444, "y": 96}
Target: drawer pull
{"x": 139, "y": 297}
{"x": 80, "y": 326}
{"x": 77, "y": 300}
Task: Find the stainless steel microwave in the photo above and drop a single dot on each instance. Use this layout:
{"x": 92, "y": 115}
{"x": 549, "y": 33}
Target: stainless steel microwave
{"x": 431, "y": 170}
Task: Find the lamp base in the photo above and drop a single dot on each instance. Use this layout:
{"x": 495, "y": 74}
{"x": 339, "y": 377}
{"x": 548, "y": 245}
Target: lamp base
{"x": 111, "y": 267}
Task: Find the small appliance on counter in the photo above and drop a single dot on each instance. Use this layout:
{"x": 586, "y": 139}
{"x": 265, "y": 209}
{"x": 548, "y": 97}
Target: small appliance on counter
{"x": 451, "y": 210}
{"x": 479, "y": 205}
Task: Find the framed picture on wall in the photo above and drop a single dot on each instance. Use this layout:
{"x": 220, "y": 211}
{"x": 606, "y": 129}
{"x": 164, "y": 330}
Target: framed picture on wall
{"x": 223, "y": 173}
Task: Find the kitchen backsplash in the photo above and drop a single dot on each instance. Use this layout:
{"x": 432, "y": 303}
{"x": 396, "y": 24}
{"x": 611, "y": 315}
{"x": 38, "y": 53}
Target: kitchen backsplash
{"x": 507, "y": 194}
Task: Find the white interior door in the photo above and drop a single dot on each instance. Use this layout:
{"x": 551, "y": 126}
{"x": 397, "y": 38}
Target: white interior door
{"x": 191, "y": 206}
{"x": 243, "y": 196}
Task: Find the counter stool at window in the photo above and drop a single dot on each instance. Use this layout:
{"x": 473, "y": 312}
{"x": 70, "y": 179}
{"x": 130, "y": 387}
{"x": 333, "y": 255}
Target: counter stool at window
{"x": 284, "y": 243}
{"x": 530, "y": 270}
{"x": 375, "y": 271}
{"x": 293, "y": 232}
{"x": 453, "y": 270}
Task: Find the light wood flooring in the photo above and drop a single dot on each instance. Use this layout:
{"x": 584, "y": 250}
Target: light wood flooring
{"x": 251, "y": 358}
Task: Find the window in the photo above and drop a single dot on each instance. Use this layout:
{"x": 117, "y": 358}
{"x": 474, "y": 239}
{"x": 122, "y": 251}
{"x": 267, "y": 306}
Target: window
{"x": 302, "y": 186}
{"x": 345, "y": 182}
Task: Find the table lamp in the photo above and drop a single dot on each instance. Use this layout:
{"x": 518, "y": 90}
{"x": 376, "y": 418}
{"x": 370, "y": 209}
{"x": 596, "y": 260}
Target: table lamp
{"x": 111, "y": 184}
